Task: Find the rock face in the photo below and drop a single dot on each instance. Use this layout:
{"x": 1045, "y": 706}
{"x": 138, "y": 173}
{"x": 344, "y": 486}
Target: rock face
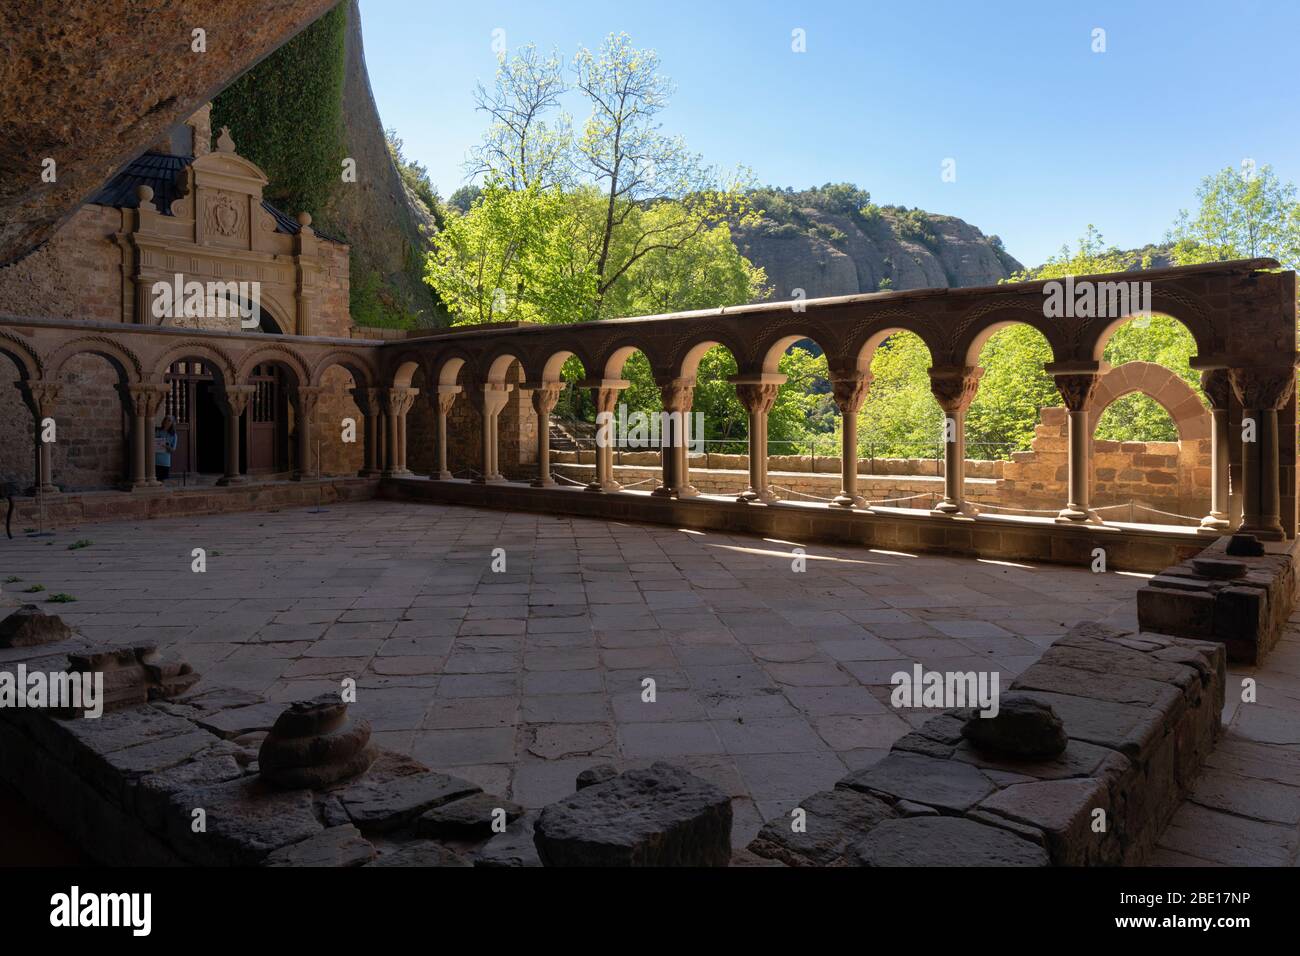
{"x": 313, "y": 744}
{"x": 377, "y": 215}
{"x": 29, "y": 626}
{"x": 660, "y": 816}
{"x": 808, "y": 258}
{"x": 81, "y": 84}
{"x": 1023, "y": 728}
{"x": 135, "y": 675}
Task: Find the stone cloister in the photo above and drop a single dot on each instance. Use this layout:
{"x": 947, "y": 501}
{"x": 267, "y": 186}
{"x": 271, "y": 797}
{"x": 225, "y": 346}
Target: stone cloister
{"x": 1241, "y": 315}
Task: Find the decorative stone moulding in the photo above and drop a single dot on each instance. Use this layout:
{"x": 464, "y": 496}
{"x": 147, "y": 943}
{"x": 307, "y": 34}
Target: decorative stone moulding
{"x": 315, "y": 743}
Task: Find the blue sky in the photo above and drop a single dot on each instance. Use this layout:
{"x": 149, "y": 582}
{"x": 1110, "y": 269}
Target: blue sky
{"x": 1047, "y": 135}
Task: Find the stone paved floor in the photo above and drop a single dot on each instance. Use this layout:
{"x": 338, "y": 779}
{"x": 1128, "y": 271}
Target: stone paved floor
{"x": 1245, "y": 808}
{"x": 771, "y": 683}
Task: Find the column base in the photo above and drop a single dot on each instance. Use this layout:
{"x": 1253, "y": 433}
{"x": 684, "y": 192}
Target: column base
{"x": 664, "y": 491}
{"x": 1215, "y": 523}
{"x": 1073, "y": 514}
{"x": 227, "y": 480}
{"x": 947, "y": 507}
{"x": 543, "y": 483}
{"x": 606, "y": 487}
{"x": 1263, "y": 531}
{"x": 688, "y": 491}
{"x": 845, "y": 500}
{"x": 444, "y": 476}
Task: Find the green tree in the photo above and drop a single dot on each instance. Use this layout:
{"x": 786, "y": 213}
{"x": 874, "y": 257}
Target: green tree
{"x": 1242, "y": 215}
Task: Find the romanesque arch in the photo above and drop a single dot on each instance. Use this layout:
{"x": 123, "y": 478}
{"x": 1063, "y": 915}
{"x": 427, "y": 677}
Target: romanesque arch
{"x": 1189, "y": 414}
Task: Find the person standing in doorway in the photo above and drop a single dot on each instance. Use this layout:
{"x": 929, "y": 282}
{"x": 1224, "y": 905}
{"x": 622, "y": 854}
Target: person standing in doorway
{"x": 164, "y": 443}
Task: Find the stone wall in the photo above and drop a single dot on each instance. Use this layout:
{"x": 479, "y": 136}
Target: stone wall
{"x": 330, "y": 317}
{"x": 76, "y": 275}
{"x": 92, "y": 430}
{"x": 338, "y": 457}
{"x": 17, "y": 455}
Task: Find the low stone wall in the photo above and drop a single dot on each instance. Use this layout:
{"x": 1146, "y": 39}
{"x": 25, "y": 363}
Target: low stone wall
{"x": 1149, "y": 482}
{"x": 1241, "y": 601}
{"x": 902, "y": 529}
{"x": 1141, "y": 713}
{"x": 70, "y": 509}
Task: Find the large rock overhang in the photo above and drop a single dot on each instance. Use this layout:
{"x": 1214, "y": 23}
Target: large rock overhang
{"x": 91, "y": 86}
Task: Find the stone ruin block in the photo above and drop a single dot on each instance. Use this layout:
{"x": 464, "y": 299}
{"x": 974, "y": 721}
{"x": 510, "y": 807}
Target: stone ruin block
{"x": 658, "y": 816}
{"x": 1235, "y": 595}
{"x": 314, "y": 743}
{"x": 133, "y": 676}
{"x": 1140, "y": 713}
{"x": 30, "y": 626}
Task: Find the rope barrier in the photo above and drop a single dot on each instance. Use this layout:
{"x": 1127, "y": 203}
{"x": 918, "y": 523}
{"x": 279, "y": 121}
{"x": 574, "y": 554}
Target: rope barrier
{"x": 1033, "y": 511}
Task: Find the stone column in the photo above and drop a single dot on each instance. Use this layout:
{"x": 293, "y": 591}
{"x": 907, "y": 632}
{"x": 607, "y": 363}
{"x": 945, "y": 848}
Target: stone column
{"x": 144, "y": 401}
{"x": 398, "y": 401}
{"x": 544, "y": 396}
{"x": 850, "y": 391}
{"x": 306, "y": 398}
{"x": 758, "y": 394}
{"x": 41, "y": 397}
{"x": 1216, "y": 385}
{"x": 490, "y": 398}
{"x": 605, "y": 393}
{"x": 954, "y": 389}
{"x": 1261, "y": 392}
{"x": 443, "y": 400}
{"x": 1077, "y": 383}
{"x": 368, "y": 403}
{"x": 235, "y": 399}
{"x": 678, "y": 395}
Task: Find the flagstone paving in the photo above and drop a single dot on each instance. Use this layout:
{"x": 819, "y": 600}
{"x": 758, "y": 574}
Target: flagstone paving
{"x": 1245, "y": 807}
{"x": 772, "y": 683}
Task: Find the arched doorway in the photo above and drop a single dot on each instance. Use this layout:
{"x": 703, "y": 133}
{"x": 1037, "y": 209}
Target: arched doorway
{"x": 266, "y": 422}
{"x": 194, "y": 403}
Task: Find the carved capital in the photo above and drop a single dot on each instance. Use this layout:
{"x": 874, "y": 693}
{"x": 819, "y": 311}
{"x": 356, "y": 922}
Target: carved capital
{"x": 757, "y": 399}
{"x": 367, "y": 400}
{"x": 678, "y": 395}
{"x": 850, "y": 391}
{"x": 954, "y": 388}
{"x": 1262, "y": 388}
{"x": 1217, "y": 385}
{"x": 545, "y": 396}
{"x": 40, "y": 395}
{"x": 306, "y": 398}
{"x": 488, "y": 398}
{"x": 237, "y": 398}
{"x": 400, "y": 399}
{"x": 145, "y": 400}
{"x": 445, "y": 401}
{"x": 1077, "y": 389}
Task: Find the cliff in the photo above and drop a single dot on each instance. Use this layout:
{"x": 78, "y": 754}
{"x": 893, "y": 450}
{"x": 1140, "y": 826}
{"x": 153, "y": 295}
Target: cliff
{"x": 833, "y": 241}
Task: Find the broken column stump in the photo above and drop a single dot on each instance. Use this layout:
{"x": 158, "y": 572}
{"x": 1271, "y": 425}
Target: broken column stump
{"x": 315, "y": 743}
{"x": 659, "y": 816}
